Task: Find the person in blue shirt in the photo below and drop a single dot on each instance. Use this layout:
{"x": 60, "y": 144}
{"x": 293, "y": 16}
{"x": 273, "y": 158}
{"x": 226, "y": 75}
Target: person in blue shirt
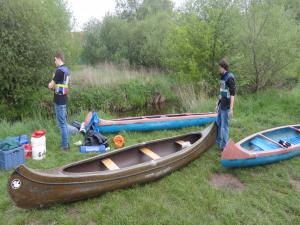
{"x": 225, "y": 103}
{"x": 60, "y": 86}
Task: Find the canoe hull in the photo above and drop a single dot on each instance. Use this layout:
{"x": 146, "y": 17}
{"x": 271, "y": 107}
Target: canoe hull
{"x": 33, "y": 189}
{"x": 148, "y": 123}
{"x": 151, "y": 126}
{"x": 263, "y": 148}
{"x": 259, "y": 160}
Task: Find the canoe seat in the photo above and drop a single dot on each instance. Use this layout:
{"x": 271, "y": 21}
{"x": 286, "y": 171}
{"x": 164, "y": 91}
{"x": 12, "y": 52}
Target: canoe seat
{"x": 183, "y": 144}
{"x": 150, "y": 153}
{"x": 264, "y": 144}
{"x": 109, "y": 164}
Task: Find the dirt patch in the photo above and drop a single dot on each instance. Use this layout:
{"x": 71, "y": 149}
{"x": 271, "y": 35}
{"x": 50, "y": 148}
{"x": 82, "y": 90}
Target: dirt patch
{"x": 295, "y": 183}
{"x": 226, "y": 181}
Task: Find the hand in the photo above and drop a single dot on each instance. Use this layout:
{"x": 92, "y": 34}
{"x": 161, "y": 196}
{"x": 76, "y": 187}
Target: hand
{"x": 217, "y": 108}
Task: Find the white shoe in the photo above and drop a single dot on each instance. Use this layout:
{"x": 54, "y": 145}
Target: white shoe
{"x": 78, "y": 143}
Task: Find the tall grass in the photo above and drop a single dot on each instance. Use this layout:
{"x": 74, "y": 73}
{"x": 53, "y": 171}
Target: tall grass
{"x": 191, "y": 97}
{"x": 110, "y": 74}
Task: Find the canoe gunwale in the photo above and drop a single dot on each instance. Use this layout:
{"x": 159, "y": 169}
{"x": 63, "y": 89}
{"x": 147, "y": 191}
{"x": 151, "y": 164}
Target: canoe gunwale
{"x": 260, "y": 132}
{"x": 160, "y": 118}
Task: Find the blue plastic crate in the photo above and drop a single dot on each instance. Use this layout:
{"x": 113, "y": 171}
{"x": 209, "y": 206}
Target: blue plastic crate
{"x": 12, "y": 158}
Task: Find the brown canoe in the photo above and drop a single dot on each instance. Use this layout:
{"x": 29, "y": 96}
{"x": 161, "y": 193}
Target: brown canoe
{"x": 122, "y": 168}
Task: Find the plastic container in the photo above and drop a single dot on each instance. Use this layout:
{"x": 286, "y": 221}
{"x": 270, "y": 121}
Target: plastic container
{"x": 97, "y": 148}
{"x": 38, "y": 143}
{"x": 12, "y": 158}
{"x": 27, "y": 151}
{"x": 23, "y": 139}
{"x": 38, "y": 152}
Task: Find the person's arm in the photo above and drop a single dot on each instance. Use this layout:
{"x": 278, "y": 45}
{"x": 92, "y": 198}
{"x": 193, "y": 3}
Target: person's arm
{"x": 231, "y": 86}
{"x": 59, "y": 76}
{"x": 231, "y": 105}
{"x": 51, "y": 85}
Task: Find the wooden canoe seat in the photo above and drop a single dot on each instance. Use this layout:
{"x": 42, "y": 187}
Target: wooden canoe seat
{"x": 180, "y": 142}
{"x": 150, "y": 153}
{"x": 109, "y": 164}
{"x": 183, "y": 144}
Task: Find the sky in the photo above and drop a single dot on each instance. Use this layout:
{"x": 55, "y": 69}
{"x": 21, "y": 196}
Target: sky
{"x": 84, "y": 10}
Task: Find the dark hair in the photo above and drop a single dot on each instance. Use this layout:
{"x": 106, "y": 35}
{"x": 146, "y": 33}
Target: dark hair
{"x": 223, "y": 63}
{"x": 60, "y": 55}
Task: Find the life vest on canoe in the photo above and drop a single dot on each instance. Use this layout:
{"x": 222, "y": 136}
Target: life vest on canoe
{"x": 224, "y": 90}
{"x": 62, "y": 88}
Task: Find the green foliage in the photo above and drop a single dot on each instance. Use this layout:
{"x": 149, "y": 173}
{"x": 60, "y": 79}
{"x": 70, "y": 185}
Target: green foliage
{"x": 136, "y": 35}
{"x": 129, "y": 95}
{"x": 133, "y": 94}
{"x": 106, "y": 41}
{"x": 148, "y": 44}
{"x": 189, "y": 48}
{"x": 31, "y": 32}
{"x": 267, "y": 52}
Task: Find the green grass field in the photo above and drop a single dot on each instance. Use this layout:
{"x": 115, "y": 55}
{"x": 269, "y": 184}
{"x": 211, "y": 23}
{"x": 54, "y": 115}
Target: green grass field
{"x": 185, "y": 196}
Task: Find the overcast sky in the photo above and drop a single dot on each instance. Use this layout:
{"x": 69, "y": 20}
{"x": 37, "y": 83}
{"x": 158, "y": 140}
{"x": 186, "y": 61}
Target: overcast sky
{"x": 83, "y": 10}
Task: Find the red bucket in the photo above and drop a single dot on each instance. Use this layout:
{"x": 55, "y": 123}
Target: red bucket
{"x": 27, "y": 151}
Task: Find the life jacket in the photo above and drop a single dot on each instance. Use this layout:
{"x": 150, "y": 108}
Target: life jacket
{"x": 224, "y": 90}
{"x": 62, "y": 88}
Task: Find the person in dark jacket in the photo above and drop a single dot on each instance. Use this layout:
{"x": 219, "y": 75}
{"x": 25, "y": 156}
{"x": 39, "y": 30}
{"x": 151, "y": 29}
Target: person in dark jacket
{"x": 225, "y": 103}
{"x": 60, "y": 85}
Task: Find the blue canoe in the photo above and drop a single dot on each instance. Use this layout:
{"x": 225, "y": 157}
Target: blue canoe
{"x": 262, "y": 148}
{"x": 148, "y": 123}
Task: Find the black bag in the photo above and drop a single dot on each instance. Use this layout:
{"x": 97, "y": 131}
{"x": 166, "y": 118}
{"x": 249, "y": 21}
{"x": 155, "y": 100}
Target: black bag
{"x": 94, "y": 138}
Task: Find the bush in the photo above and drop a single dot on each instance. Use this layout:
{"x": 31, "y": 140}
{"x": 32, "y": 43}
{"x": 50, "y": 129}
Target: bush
{"x": 130, "y": 95}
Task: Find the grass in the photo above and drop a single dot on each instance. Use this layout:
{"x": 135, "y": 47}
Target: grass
{"x": 107, "y": 74}
{"x": 185, "y": 196}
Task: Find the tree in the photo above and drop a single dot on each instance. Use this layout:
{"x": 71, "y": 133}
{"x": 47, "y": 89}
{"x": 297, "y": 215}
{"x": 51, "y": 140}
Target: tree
{"x": 136, "y": 34}
{"x": 106, "y": 41}
{"x": 220, "y": 16}
{"x": 268, "y": 41}
{"x": 189, "y": 48}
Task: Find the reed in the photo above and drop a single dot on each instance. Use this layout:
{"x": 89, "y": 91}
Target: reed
{"x": 107, "y": 74}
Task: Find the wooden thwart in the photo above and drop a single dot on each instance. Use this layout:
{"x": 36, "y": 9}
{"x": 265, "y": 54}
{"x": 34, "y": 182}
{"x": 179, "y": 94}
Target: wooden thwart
{"x": 109, "y": 164}
{"x": 180, "y": 142}
{"x": 184, "y": 144}
{"x": 150, "y": 153}
{"x": 271, "y": 140}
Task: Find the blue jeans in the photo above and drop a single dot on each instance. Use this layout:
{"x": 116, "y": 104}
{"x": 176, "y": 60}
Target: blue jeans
{"x": 61, "y": 118}
{"x": 222, "y": 132}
